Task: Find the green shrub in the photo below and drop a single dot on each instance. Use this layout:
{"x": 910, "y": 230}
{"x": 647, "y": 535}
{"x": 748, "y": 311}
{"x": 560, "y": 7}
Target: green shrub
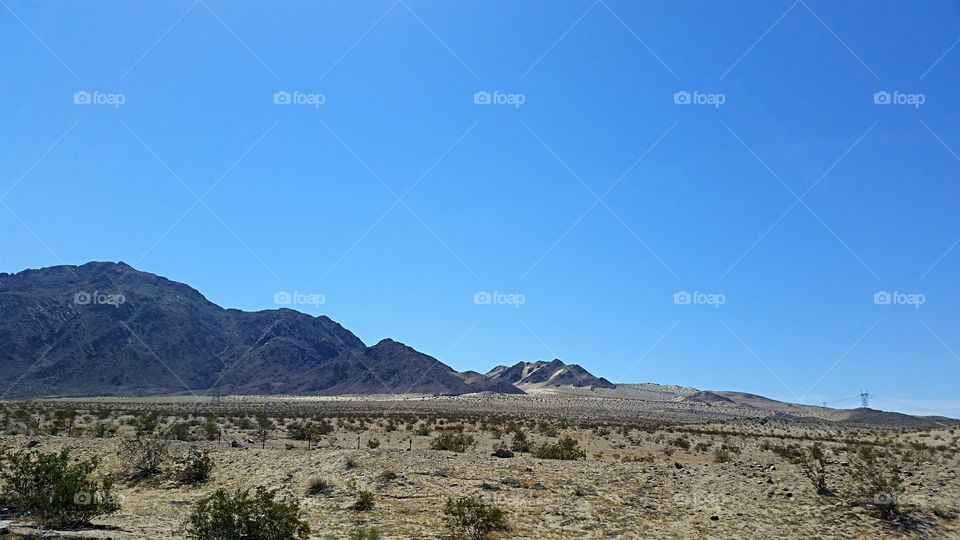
{"x": 365, "y": 534}
{"x": 319, "y": 486}
{"x": 56, "y": 492}
{"x": 472, "y": 519}
{"x": 722, "y": 454}
{"x": 143, "y": 456}
{"x": 196, "y": 467}
{"x": 566, "y": 448}
{"x": 240, "y": 516}
{"x": 879, "y": 483}
{"x": 373, "y": 443}
{"x": 813, "y": 463}
{"x": 364, "y": 502}
{"x": 519, "y": 442}
{"x": 453, "y": 441}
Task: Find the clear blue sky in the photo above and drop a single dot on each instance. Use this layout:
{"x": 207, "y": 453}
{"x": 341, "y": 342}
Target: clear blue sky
{"x": 504, "y": 198}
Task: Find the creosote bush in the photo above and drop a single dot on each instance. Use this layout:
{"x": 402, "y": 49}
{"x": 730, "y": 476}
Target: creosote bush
{"x": 56, "y": 492}
{"x": 566, "y": 448}
{"x": 319, "y": 486}
{"x": 453, "y": 441}
{"x": 143, "y": 456}
{"x": 879, "y": 482}
{"x": 242, "y": 516}
{"x": 364, "y": 502}
{"x": 813, "y": 463}
{"x": 365, "y": 534}
{"x": 470, "y": 518}
{"x": 195, "y": 467}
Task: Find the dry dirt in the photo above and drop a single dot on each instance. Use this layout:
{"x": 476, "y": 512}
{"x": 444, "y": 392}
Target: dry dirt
{"x": 637, "y": 481}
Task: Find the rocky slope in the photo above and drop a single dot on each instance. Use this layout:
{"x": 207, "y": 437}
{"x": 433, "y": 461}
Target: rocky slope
{"x": 108, "y": 329}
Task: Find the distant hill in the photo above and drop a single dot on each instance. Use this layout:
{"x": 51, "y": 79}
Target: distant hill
{"x": 108, "y": 329}
{"x": 554, "y": 373}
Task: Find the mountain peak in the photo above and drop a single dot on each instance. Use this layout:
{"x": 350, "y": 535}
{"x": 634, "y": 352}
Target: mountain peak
{"x": 550, "y": 373}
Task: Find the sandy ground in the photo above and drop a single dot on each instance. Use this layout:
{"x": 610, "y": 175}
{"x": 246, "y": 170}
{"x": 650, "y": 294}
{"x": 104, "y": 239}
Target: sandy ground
{"x": 634, "y": 482}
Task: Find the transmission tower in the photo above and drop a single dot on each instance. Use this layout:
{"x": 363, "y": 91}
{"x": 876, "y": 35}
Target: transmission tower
{"x": 865, "y": 398}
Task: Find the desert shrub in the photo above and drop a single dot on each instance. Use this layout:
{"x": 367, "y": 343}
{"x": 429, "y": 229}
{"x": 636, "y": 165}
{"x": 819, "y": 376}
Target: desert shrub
{"x": 143, "y": 456}
{"x": 196, "y": 467}
{"x": 53, "y": 490}
{"x": 879, "y": 483}
{"x": 365, "y": 534}
{"x": 373, "y": 443}
{"x": 681, "y": 442}
{"x": 364, "y": 501}
{"x": 722, "y": 454}
{"x": 566, "y": 448}
{"x": 211, "y": 430}
{"x": 146, "y": 424}
{"x": 241, "y": 516}
{"x": 702, "y": 447}
{"x": 179, "y": 431}
{"x": 319, "y": 486}
{"x": 472, "y": 519}
{"x": 519, "y": 442}
{"x": 453, "y": 441}
{"x": 813, "y": 463}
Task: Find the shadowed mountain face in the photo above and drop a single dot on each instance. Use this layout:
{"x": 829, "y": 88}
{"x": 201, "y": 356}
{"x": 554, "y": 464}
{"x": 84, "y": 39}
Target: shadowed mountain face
{"x": 107, "y": 329}
{"x": 550, "y": 374}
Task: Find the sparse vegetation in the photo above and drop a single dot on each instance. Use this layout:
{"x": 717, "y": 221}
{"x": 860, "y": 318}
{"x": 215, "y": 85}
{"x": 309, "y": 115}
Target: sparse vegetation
{"x": 879, "y": 482}
{"x": 196, "y": 467}
{"x": 143, "y": 456}
{"x": 452, "y": 441}
{"x": 813, "y": 463}
{"x": 242, "y": 516}
{"x": 54, "y": 491}
{"x": 469, "y": 518}
{"x": 566, "y": 448}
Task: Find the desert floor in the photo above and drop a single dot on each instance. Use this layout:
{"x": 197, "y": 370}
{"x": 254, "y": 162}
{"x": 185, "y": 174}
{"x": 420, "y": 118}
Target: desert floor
{"x": 647, "y": 475}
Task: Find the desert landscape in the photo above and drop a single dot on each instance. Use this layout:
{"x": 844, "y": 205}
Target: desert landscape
{"x": 638, "y": 461}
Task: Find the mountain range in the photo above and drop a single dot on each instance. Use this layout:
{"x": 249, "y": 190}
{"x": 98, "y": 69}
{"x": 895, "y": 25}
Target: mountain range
{"x": 106, "y": 329}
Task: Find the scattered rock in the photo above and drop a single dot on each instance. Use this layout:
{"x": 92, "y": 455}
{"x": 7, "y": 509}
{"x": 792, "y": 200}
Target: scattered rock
{"x": 502, "y": 453}
{"x": 510, "y": 481}
{"x": 4, "y": 527}
{"x": 677, "y": 465}
{"x": 714, "y": 518}
{"x": 32, "y": 443}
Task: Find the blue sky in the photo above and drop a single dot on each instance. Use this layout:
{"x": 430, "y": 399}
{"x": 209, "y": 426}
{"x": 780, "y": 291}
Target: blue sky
{"x": 786, "y": 192}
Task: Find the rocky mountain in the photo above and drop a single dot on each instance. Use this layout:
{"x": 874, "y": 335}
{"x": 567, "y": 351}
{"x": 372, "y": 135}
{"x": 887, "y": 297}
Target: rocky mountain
{"x": 108, "y": 329}
{"x": 554, "y": 373}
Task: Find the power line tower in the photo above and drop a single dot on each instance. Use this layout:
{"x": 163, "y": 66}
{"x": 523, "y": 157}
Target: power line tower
{"x": 865, "y": 398}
